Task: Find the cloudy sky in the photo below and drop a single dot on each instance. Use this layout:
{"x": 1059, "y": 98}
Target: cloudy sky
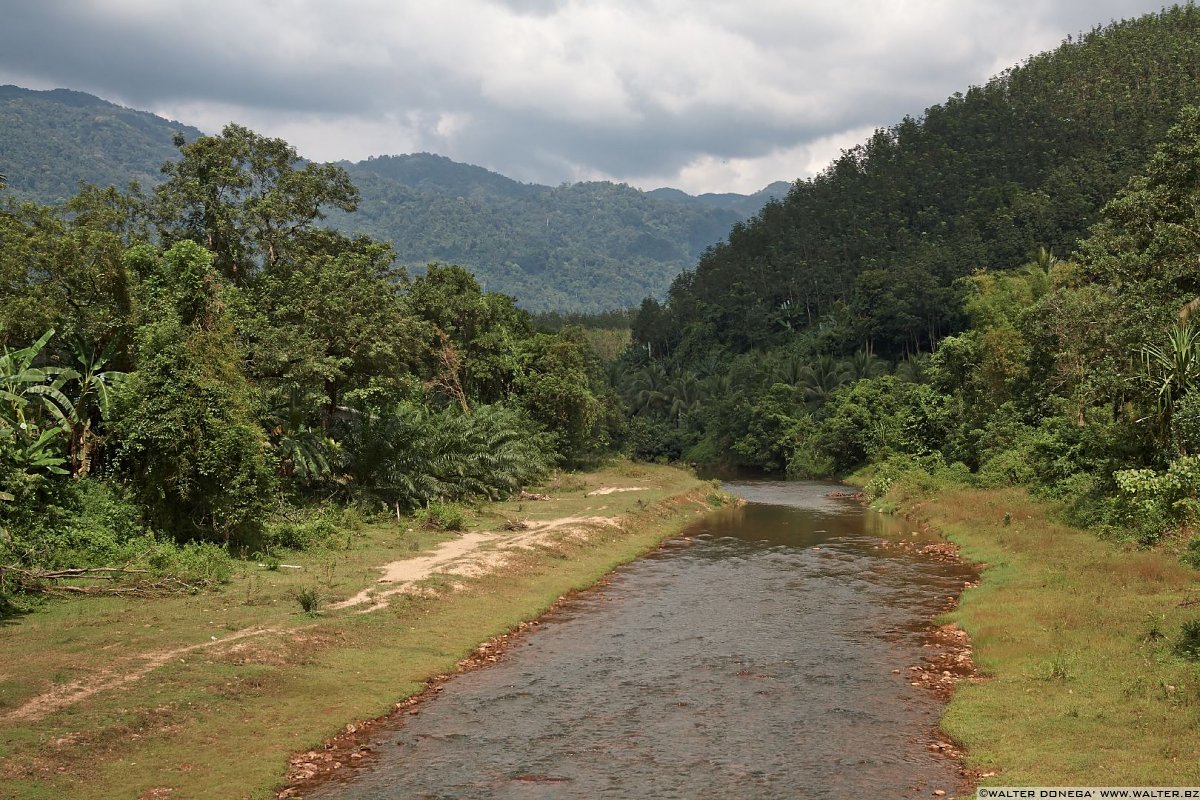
{"x": 704, "y": 95}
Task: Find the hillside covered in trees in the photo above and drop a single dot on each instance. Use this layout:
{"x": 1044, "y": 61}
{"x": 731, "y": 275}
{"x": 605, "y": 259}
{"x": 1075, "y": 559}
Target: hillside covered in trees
{"x": 1002, "y": 291}
{"x": 869, "y": 251}
{"x": 578, "y": 247}
{"x": 53, "y": 140}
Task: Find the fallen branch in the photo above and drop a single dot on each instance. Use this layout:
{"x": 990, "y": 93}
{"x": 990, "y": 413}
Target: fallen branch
{"x": 86, "y": 573}
{"x": 139, "y": 589}
{"x": 46, "y": 581}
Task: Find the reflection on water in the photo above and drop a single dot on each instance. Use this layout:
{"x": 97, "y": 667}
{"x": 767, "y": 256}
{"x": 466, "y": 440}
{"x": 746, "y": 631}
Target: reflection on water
{"x": 750, "y": 658}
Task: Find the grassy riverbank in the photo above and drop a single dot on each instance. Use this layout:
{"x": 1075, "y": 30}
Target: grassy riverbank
{"x": 1078, "y": 638}
{"x": 208, "y": 695}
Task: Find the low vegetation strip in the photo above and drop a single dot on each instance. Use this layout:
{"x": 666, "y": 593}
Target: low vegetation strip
{"x": 1089, "y": 648}
{"x": 166, "y": 697}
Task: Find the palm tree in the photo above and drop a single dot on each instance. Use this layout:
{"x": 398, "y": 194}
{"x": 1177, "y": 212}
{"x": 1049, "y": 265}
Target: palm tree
{"x": 913, "y": 368}
{"x": 790, "y": 369}
{"x": 303, "y": 450}
{"x": 686, "y": 393}
{"x": 864, "y": 365}
{"x": 647, "y": 390}
{"x": 1038, "y": 273}
{"x": 821, "y": 378}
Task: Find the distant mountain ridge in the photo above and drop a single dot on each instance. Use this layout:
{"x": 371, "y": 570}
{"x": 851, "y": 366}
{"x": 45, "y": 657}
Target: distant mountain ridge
{"x": 588, "y": 246}
{"x": 746, "y": 204}
{"x": 577, "y": 247}
{"x": 52, "y": 140}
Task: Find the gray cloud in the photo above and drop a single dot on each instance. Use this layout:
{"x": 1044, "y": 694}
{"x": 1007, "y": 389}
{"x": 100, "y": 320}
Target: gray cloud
{"x": 709, "y": 95}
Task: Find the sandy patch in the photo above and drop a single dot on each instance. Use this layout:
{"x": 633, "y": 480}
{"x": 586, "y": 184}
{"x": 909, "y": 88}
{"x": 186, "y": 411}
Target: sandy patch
{"x": 615, "y": 489}
{"x": 470, "y": 555}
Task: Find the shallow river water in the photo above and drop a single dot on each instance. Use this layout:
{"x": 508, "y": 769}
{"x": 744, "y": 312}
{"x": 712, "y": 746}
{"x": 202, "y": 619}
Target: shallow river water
{"x": 751, "y": 657}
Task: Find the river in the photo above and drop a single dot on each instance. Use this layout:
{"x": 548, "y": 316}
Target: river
{"x": 755, "y": 656}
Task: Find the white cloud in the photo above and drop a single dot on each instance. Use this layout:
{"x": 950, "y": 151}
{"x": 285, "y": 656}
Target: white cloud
{"x": 709, "y": 95}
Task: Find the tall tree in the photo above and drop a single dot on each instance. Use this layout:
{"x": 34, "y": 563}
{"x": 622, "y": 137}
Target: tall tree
{"x": 186, "y": 417}
{"x": 245, "y": 198}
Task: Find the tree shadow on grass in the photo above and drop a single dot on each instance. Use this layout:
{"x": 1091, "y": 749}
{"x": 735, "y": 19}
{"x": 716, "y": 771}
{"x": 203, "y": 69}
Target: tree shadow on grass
{"x": 11, "y": 613}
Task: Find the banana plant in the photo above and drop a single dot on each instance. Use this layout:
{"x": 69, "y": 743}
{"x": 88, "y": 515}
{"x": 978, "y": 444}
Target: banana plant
{"x": 35, "y": 413}
{"x": 93, "y": 391}
{"x": 28, "y": 392}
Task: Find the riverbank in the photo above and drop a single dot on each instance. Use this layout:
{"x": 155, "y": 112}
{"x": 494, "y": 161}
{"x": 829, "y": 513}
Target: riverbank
{"x": 1077, "y": 638}
{"x": 209, "y": 695}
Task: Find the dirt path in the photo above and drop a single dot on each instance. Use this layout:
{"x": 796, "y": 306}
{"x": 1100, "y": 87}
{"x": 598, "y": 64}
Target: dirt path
{"x": 128, "y": 670}
{"x": 472, "y": 554}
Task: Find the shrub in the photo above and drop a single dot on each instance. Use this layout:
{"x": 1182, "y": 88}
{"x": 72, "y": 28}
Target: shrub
{"x": 807, "y": 462}
{"x": 309, "y": 599}
{"x": 310, "y": 528}
{"x": 80, "y": 523}
{"x": 201, "y": 563}
{"x": 1152, "y": 501}
{"x": 1191, "y": 554}
{"x": 1188, "y": 644}
{"x": 442, "y": 517}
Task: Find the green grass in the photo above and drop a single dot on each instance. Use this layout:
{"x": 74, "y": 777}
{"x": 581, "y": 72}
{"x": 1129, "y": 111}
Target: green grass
{"x": 1078, "y": 639}
{"x": 189, "y": 725}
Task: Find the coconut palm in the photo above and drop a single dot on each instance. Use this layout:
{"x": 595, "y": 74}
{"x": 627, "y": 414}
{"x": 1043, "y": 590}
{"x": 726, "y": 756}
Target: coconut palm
{"x": 686, "y": 394}
{"x": 822, "y": 377}
{"x": 647, "y": 390}
{"x": 791, "y": 369}
{"x": 864, "y": 365}
{"x": 913, "y": 368}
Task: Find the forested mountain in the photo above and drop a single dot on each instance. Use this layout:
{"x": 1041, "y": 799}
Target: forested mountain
{"x": 577, "y": 247}
{"x": 580, "y": 247}
{"x": 1037, "y": 234}
{"x": 51, "y": 141}
{"x": 868, "y": 252}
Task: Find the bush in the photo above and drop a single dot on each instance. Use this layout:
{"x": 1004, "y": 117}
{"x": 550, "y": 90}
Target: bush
{"x": 1191, "y": 554}
{"x": 94, "y": 523}
{"x": 79, "y": 523}
{"x": 309, "y": 528}
{"x": 198, "y": 563}
{"x": 652, "y": 439}
{"x": 807, "y": 462}
{"x": 1188, "y": 644}
{"x": 1152, "y": 502}
{"x": 309, "y": 599}
{"x": 442, "y": 517}
{"x": 1185, "y": 423}
{"x": 926, "y": 474}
